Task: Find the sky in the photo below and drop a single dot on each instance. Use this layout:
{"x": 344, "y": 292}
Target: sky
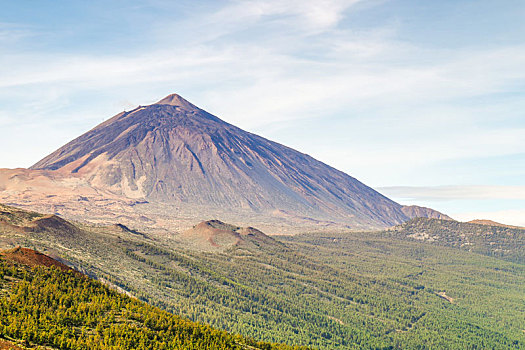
{"x": 421, "y": 100}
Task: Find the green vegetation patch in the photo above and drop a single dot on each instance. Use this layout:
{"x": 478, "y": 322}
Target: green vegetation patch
{"x": 66, "y": 310}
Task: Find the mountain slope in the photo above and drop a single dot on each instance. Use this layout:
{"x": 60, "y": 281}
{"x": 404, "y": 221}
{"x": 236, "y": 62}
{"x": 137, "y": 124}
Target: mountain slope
{"x": 414, "y": 211}
{"x": 173, "y": 152}
{"x": 66, "y": 310}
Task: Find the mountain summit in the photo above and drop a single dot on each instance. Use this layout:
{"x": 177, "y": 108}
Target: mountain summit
{"x": 176, "y": 100}
{"x": 174, "y": 152}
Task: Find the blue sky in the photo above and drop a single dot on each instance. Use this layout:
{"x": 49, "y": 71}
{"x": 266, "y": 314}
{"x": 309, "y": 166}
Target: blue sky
{"x": 422, "y": 100}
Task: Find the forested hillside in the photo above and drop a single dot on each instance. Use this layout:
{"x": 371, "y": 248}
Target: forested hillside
{"x": 66, "y": 310}
{"x": 466, "y": 300}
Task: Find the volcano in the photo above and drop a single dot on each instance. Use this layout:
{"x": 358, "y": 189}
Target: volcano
{"x": 176, "y": 153}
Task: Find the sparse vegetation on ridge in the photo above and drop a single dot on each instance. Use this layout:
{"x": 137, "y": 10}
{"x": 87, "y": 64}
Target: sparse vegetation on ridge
{"x": 505, "y": 242}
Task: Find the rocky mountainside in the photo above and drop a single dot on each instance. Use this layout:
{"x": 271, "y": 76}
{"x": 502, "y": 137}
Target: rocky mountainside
{"x": 173, "y": 152}
{"x": 414, "y": 211}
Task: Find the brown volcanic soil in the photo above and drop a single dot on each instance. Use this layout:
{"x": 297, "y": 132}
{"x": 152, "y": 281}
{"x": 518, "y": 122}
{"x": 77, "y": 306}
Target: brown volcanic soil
{"x": 70, "y": 196}
{"x": 32, "y": 258}
{"x": 6, "y": 345}
{"x": 216, "y": 235}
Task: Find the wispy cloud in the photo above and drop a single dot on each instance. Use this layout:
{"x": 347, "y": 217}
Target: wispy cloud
{"x": 297, "y": 87}
{"x": 505, "y": 204}
{"x": 302, "y": 17}
{"x": 11, "y": 33}
{"x": 455, "y": 192}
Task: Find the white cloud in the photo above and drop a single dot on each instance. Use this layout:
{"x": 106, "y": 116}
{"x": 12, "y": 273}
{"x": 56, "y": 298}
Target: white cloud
{"x": 309, "y": 15}
{"x": 465, "y": 203}
{"x": 430, "y": 193}
{"x": 251, "y": 77}
{"x": 11, "y": 33}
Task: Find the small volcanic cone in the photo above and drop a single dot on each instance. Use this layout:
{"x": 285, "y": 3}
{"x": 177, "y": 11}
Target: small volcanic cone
{"x": 32, "y": 258}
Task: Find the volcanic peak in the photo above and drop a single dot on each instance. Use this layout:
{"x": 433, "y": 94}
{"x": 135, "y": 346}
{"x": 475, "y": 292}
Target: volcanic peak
{"x": 177, "y": 100}
{"x": 173, "y": 152}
